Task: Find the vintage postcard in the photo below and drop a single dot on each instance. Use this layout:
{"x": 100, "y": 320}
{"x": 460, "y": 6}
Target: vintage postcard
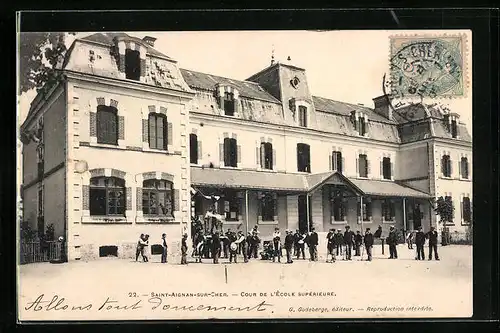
{"x": 244, "y": 175}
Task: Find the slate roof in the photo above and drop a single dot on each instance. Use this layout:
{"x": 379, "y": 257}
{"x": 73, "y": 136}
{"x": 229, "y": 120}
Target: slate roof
{"x": 243, "y": 179}
{"x": 107, "y": 39}
{"x": 386, "y": 188}
{"x": 258, "y": 180}
{"x": 332, "y": 106}
{"x": 197, "y": 80}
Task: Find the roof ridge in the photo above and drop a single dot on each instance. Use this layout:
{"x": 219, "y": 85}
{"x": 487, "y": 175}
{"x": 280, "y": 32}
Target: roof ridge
{"x": 223, "y": 77}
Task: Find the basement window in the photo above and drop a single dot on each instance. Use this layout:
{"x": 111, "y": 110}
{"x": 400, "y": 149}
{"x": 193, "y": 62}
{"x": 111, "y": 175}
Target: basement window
{"x": 108, "y": 251}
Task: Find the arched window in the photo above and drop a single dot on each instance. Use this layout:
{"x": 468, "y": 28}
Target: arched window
{"x": 107, "y": 196}
{"x": 266, "y": 155}
{"x": 132, "y": 64}
{"x": 193, "y": 148}
{"x": 337, "y": 161}
{"x": 464, "y": 168}
{"x": 446, "y": 165}
{"x": 158, "y": 131}
{"x": 107, "y": 125}
{"x": 157, "y": 198}
{"x": 302, "y": 116}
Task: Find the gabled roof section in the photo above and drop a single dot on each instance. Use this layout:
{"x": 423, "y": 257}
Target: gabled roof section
{"x": 315, "y": 181}
{"x": 342, "y": 108}
{"x": 106, "y": 38}
{"x": 385, "y": 188}
{"x": 248, "y": 89}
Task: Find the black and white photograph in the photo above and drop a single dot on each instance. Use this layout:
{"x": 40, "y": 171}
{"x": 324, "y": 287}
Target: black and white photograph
{"x": 176, "y": 175}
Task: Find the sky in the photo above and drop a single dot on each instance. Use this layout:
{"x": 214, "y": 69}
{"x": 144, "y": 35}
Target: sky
{"x": 346, "y": 66}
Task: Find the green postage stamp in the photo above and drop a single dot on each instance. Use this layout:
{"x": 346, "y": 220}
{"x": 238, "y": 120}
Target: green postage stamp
{"x": 427, "y": 66}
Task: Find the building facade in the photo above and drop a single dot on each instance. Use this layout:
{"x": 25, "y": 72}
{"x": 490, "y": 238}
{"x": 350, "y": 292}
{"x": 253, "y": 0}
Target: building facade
{"x": 129, "y": 143}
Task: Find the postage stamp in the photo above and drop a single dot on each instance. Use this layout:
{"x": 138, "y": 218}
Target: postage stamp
{"x": 427, "y": 66}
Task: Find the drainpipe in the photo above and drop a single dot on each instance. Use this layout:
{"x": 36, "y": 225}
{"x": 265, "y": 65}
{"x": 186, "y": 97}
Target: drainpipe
{"x": 361, "y": 210}
{"x": 246, "y": 211}
{"x": 404, "y": 216}
{"x": 307, "y": 212}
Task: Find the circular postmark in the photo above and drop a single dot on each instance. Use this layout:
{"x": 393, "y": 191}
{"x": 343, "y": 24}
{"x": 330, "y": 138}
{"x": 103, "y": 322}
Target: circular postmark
{"x": 426, "y": 68}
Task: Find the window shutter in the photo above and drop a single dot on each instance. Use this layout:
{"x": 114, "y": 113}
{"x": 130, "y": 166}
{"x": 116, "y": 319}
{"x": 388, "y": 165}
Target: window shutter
{"x": 357, "y": 167}
{"x": 85, "y": 197}
{"x": 343, "y": 165}
{"x": 262, "y": 155}
{"x": 145, "y": 133}
{"x": 274, "y": 160}
{"x": 368, "y": 168}
{"x": 392, "y": 169}
{"x": 160, "y": 133}
{"x": 462, "y": 210}
{"x": 128, "y": 195}
{"x": 152, "y": 131}
{"x": 200, "y": 154}
{"x": 450, "y": 163}
{"x": 257, "y": 155}
{"x": 176, "y": 200}
{"x": 121, "y": 128}
{"x": 138, "y": 199}
{"x": 382, "y": 168}
{"x": 221, "y": 152}
{"x": 93, "y": 124}
{"x": 467, "y": 168}
{"x": 238, "y": 152}
{"x": 170, "y": 134}
{"x": 331, "y": 162}
{"x": 460, "y": 168}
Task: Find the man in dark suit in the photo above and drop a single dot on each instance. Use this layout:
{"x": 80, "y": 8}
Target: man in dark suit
{"x": 339, "y": 241}
{"x": 420, "y": 241}
{"x": 301, "y": 245}
{"x": 216, "y": 247}
{"x": 433, "y": 242}
{"x": 392, "y": 241}
{"x": 330, "y": 247}
{"x": 348, "y": 241}
{"x": 289, "y": 242}
{"x": 368, "y": 243}
{"x": 226, "y": 242}
{"x": 313, "y": 245}
{"x": 358, "y": 240}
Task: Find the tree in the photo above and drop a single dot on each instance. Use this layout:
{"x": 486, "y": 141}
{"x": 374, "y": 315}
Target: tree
{"x": 444, "y": 208}
{"x": 39, "y": 56}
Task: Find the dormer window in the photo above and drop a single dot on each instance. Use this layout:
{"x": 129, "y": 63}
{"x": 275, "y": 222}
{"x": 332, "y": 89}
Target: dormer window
{"x": 302, "y": 116}
{"x": 132, "y": 64}
{"x": 228, "y": 104}
{"x": 451, "y": 123}
{"x": 359, "y": 121}
{"x": 453, "y": 128}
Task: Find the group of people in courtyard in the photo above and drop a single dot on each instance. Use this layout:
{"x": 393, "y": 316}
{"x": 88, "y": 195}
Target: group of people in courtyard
{"x": 230, "y": 245}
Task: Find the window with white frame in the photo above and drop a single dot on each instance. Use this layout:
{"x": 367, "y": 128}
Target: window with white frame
{"x": 302, "y": 116}
{"x": 193, "y": 148}
{"x": 230, "y": 152}
{"x": 388, "y": 210}
{"x": 268, "y": 206}
{"x": 107, "y": 196}
{"x": 466, "y": 211}
{"x": 266, "y": 155}
{"x": 446, "y": 165}
{"x": 367, "y": 209}
{"x": 157, "y": 198}
{"x": 464, "y": 168}
{"x": 386, "y": 168}
{"x": 337, "y": 161}
{"x": 303, "y": 157}
{"x": 363, "y": 165}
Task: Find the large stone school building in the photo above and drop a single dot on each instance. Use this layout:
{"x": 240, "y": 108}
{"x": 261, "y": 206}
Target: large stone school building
{"x": 127, "y": 142}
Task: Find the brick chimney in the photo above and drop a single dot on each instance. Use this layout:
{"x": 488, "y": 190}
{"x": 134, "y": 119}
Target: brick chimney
{"x": 149, "y": 40}
{"x": 382, "y": 106}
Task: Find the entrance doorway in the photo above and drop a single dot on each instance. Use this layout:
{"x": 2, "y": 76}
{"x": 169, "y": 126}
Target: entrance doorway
{"x": 302, "y": 212}
{"x": 417, "y": 217}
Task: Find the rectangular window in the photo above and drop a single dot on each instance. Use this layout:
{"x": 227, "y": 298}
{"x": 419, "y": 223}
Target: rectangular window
{"x": 386, "y": 168}
{"x": 367, "y": 210}
{"x": 107, "y": 196}
{"x": 302, "y": 116}
{"x": 338, "y": 205}
{"x": 228, "y": 104}
{"x": 446, "y": 166}
{"x": 337, "y": 161}
{"x": 230, "y": 152}
{"x": 132, "y": 64}
{"x": 466, "y": 210}
{"x": 193, "y": 148}
{"x": 107, "y": 125}
{"x": 303, "y": 158}
{"x": 464, "y": 168}
{"x": 158, "y": 131}
{"x": 388, "y": 210}
{"x": 268, "y": 206}
{"x": 266, "y": 155}
{"x": 157, "y": 198}
{"x": 454, "y": 131}
{"x": 363, "y": 165}
{"x": 362, "y": 126}
{"x": 230, "y": 204}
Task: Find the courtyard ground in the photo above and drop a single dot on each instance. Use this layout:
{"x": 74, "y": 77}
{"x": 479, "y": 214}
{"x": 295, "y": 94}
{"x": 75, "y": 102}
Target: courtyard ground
{"x": 350, "y": 289}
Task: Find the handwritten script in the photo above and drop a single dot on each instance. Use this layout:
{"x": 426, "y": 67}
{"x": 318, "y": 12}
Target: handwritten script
{"x": 58, "y": 303}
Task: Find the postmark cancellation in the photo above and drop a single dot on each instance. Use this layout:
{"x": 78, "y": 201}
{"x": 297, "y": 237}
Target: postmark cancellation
{"x": 426, "y": 66}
